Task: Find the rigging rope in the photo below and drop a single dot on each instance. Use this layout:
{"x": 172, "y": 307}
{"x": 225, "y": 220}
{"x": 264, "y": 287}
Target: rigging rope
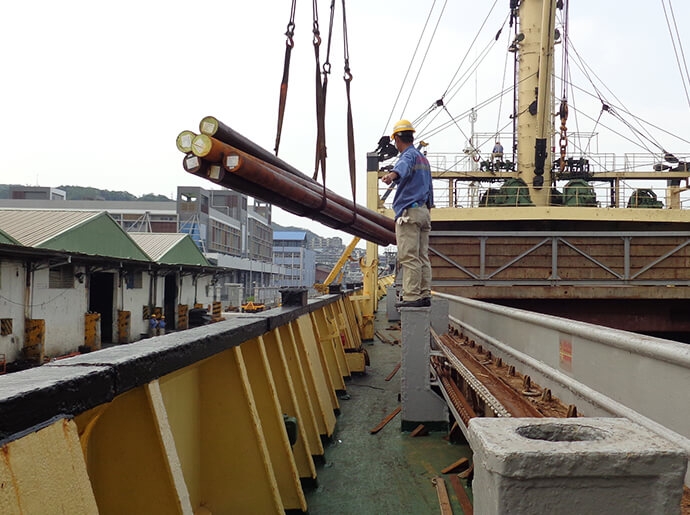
{"x": 347, "y": 77}
{"x": 289, "y": 44}
{"x": 320, "y": 158}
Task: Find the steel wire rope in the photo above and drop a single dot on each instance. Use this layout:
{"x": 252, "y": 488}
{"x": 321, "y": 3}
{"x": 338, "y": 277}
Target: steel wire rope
{"x": 448, "y": 169}
{"x": 409, "y": 68}
{"x": 475, "y": 64}
{"x": 607, "y": 106}
{"x": 565, "y": 73}
{"x": 637, "y": 118}
{"x": 586, "y": 70}
{"x": 621, "y": 135}
{"x": 595, "y": 160}
{"x": 568, "y": 83}
{"x": 440, "y": 103}
{"x": 481, "y": 105}
{"x": 479, "y": 31}
{"x": 684, "y": 78}
{"x": 426, "y": 53}
{"x": 464, "y": 78}
{"x": 565, "y": 66}
{"x": 503, "y": 85}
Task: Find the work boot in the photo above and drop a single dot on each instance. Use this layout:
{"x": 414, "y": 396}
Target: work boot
{"x": 423, "y": 302}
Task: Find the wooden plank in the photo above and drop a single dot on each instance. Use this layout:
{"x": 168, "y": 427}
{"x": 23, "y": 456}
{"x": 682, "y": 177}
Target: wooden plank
{"x": 385, "y": 421}
{"x": 443, "y": 500}
{"x": 420, "y": 430}
{"x": 390, "y": 376}
{"x": 454, "y": 466}
{"x": 462, "y": 496}
{"x": 466, "y": 474}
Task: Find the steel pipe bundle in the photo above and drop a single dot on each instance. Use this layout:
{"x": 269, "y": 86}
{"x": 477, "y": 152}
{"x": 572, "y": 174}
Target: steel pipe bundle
{"x": 225, "y": 157}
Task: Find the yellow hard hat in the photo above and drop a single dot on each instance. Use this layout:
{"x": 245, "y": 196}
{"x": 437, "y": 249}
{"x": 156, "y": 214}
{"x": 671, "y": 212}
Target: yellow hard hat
{"x": 402, "y": 126}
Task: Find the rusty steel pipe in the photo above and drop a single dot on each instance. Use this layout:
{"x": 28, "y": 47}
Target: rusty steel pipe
{"x": 329, "y": 217}
{"x": 255, "y": 170}
{"x": 214, "y": 150}
{"x": 377, "y": 228}
{"x": 211, "y": 126}
{"x": 217, "y": 174}
{"x": 217, "y": 130}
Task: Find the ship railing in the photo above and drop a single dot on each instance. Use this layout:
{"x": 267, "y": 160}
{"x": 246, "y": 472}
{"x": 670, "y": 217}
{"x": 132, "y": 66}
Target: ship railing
{"x": 594, "y": 368}
{"x": 663, "y": 161}
{"x": 470, "y": 161}
{"x": 230, "y": 415}
{"x": 623, "y": 193}
{"x": 462, "y": 194}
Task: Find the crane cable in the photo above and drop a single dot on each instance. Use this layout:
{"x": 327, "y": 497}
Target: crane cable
{"x": 563, "y": 110}
{"x": 426, "y": 53}
{"x": 680, "y": 58}
{"x": 641, "y": 133}
{"x": 455, "y": 87}
{"x": 409, "y": 68}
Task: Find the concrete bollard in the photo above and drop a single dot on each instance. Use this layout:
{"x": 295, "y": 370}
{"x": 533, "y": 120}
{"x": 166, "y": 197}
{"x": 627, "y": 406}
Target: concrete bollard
{"x": 391, "y": 298}
{"x": 573, "y": 466}
{"x": 439, "y": 315}
{"x": 420, "y": 405}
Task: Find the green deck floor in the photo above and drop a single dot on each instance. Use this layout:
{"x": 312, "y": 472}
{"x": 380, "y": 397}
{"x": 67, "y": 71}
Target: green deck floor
{"x": 389, "y": 472}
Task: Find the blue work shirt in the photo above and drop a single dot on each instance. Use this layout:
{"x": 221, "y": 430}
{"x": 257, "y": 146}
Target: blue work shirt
{"x": 413, "y": 182}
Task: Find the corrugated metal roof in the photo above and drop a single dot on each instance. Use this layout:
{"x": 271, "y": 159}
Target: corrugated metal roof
{"x": 31, "y": 227}
{"x": 170, "y": 248}
{"x": 87, "y": 232}
{"x": 6, "y": 238}
{"x": 156, "y": 244}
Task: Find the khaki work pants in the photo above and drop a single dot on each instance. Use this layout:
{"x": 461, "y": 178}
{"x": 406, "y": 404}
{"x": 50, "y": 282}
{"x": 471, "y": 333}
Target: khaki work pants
{"x": 412, "y": 230}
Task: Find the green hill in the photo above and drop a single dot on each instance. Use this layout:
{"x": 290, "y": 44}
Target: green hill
{"x": 86, "y": 193}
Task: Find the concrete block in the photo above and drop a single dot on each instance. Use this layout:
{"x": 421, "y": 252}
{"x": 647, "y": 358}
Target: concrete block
{"x": 439, "y": 315}
{"x": 420, "y": 405}
{"x": 391, "y": 298}
{"x": 573, "y": 466}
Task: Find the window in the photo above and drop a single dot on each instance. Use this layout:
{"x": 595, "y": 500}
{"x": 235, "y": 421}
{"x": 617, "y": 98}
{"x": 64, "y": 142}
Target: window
{"x": 134, "y": 280}
{"x": 61, "y": 276}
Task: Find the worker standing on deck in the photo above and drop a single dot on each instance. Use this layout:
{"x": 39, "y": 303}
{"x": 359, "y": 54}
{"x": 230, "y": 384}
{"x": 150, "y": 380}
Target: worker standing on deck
{"x": 497, "y": 152}
{"x": 413, "y": 199}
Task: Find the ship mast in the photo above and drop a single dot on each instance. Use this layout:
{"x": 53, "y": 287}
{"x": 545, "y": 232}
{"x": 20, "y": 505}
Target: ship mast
{"x": 535, "y": 66}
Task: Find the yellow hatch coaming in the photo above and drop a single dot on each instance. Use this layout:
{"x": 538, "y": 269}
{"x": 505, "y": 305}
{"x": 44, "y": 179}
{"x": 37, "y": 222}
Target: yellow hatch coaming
{"x": 557, "y": 213}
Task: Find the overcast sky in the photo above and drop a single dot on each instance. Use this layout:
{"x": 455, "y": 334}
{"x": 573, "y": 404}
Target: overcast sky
{"x": 95, "y": 93}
